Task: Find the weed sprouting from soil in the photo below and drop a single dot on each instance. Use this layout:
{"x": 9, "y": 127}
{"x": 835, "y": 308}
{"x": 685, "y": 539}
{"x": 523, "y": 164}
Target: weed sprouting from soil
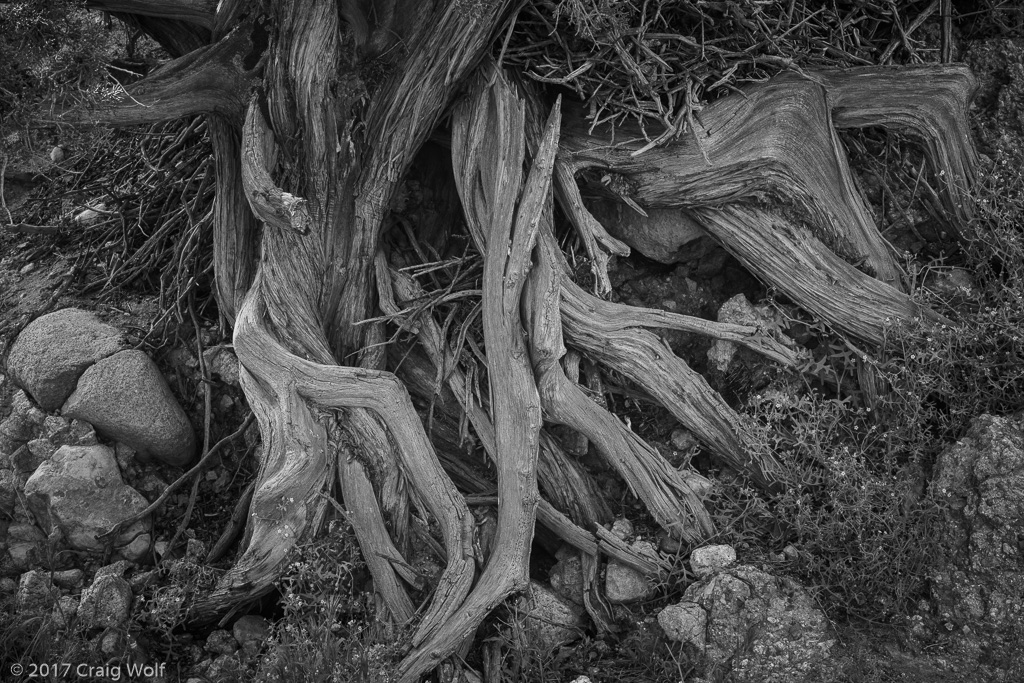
{"x": 329, "y": 631}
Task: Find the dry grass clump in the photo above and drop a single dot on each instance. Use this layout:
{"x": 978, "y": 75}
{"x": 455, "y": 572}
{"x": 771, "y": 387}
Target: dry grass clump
{"x": 656, "y": 61}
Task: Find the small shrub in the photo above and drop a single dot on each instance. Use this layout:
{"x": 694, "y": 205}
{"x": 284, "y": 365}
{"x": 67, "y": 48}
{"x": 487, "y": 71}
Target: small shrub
{"x": 857, "y": 503}
{"x": 49, "y": 48}
{"x": 854, "y": 503}
{"x": 328, "y": 632}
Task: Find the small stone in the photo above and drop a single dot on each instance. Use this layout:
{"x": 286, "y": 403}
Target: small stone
{"x": 709, "y": 559}
{"x": 684, "y": 440}
{"x": 224, "y": 668}
{"x": 15, "y": 432}
{"x": 106, "y": 603}
{"x": 222, "y": 364}
{"x": 151, "y": 485}
{"x": 112, "y": 643}
{"x": 954, "y": 285}
{"x": 548, "y": 620}
{"x": 195, "y": 551}
{"x": 698, "y": 483}
{"x": 117, "y": 569}
{"x": 35, "y": 592}
{"x": 566, "y": 578}
{"x": 54, "y": 426}
{"x": 737, "y": 311}
{"x": 26, "y": 545}
{"x": 668, "y": 544}
{"x": 81, "y": 433}
{"x": 622, "y": 528}
{"x": 790, "y": 553}
{"x": 22, "y": 406}
{"x": 69, "y": 578}
{"x": 251, "y": 632}
{"x": 685, "y": 622}
{"x": 623, "y": 584}
{"x": 225, "y": 404}
{"x": 91, "y": 215}
{"x": 27, "y": 268}
{"x": 125, "y": 456}
{"x": 65, "y": 610}
{"x": 221, "y": 642}
{"x": 33, "y": 454}
{"x": 57, "y": 155}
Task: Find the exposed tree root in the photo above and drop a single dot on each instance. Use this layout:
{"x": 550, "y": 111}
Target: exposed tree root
{"x": 725, "y": 166}
{"x": 564, "y": 483}
{"x": 235, "y": 228}
{"x": 802, "y": 267}
{"x": 928, "y": 103}
{"x": 663, "y": 489}
{"x": 489, "y": 186}
{"x": 293, "y": 379}
{"x": 774, "y": 140}
{"x": 368, "y": 522}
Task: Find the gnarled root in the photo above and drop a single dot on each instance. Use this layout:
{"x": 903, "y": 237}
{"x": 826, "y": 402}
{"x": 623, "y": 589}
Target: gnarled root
{"x": 283, "y": 386}
{"x": 775, "y": 139}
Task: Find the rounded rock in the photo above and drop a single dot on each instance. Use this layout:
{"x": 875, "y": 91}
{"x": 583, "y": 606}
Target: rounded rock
{"x": 53, "y": 351}
{"x": 709, "y": 559}
{"x": 127, "y": 399}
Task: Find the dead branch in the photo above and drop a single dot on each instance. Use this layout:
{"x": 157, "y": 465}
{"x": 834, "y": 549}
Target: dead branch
{"x": 198, "y": 12}
{"x": 210, "y": 80}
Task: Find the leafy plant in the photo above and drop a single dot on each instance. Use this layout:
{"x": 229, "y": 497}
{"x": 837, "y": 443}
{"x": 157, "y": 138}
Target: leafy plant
{"x": 329, "y": 632}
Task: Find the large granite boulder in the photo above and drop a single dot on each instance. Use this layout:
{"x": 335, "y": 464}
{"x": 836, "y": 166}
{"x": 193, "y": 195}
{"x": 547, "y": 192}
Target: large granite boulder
{"x": 53, "y": 351}
{"x": 127, "y": 399}
{"x": 979, "y": 587}
{"x": 756, "y": 627}
{"x": 80, "y": 492}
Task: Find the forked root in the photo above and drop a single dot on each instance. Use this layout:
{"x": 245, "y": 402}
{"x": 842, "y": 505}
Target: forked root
{"x": 668, "y": 496}
{"x": 273, "y": 376}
